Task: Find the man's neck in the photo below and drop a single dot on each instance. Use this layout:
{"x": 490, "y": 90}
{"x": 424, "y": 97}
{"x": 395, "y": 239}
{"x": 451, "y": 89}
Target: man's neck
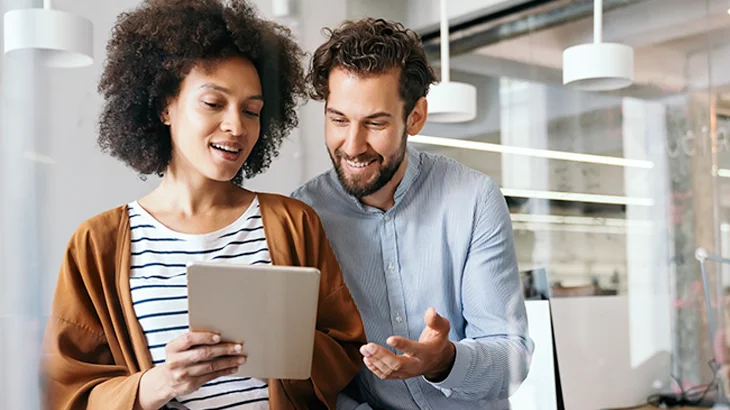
{"x": 384, "y": 198}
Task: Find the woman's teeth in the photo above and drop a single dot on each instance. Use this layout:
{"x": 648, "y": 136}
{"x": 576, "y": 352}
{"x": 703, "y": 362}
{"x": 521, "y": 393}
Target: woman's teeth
{"x": 225, "y": 148}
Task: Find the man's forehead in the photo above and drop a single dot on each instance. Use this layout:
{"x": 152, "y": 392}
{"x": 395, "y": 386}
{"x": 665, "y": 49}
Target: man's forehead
{"x": 364, "y": 97}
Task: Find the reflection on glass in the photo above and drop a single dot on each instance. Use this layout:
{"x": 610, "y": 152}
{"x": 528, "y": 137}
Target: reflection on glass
{"x": 611, "y": 193}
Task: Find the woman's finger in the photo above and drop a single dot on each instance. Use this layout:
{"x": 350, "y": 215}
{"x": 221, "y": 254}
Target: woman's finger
{"x": 215, "y": 366}
{"x": 190, "y": 339}
{"x": 204, "y": 353}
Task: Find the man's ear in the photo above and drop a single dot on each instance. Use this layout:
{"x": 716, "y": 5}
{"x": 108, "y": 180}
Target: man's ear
{"x": 417, "y": 118}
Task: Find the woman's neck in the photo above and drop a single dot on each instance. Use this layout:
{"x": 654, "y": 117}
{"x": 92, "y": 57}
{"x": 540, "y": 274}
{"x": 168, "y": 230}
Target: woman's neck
{"x": 191, "y": 197}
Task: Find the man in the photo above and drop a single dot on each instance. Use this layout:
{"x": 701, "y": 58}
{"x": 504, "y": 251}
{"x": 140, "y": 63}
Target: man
{"x": 420, "y": 238}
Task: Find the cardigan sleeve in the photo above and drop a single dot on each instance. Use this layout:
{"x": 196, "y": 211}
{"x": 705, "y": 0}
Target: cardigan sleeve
{"x": 78, "y": 366}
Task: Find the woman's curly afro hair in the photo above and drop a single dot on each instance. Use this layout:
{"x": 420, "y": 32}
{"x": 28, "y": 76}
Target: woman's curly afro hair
{"x": 154, "y": 47}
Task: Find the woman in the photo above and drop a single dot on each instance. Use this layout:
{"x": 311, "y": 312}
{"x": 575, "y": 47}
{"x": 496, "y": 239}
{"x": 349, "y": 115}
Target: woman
{"x": 202, "y": 94}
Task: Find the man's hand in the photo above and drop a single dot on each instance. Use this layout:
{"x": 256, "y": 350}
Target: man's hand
{"x": 432, "y": 356}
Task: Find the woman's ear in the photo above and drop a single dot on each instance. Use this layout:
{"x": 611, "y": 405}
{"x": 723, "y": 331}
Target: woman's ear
{"x": 165, "y": 117}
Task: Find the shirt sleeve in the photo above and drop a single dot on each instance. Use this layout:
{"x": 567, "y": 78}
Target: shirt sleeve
{"x": 493, "y": 359}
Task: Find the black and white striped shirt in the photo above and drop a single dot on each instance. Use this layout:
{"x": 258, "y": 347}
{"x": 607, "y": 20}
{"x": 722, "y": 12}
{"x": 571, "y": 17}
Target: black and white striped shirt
{"x": 158, "y": 283}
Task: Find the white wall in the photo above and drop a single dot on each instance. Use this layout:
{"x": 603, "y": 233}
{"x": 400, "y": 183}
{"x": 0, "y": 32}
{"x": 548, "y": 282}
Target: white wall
{"x": 53, "y": 176}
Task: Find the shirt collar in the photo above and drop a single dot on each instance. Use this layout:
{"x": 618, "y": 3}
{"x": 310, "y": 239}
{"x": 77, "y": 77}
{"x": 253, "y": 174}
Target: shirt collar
{"x": 413, "y": 169}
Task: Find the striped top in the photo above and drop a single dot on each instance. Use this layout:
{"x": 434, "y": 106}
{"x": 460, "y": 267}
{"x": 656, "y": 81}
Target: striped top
{"x": 158, "y": 284}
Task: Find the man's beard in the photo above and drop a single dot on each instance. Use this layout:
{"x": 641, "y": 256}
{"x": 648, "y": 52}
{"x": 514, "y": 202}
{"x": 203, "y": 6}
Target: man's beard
{"x": 358, "y": 188}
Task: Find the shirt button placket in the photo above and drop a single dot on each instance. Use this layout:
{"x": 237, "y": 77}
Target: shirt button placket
{"x": 395, "y": 286}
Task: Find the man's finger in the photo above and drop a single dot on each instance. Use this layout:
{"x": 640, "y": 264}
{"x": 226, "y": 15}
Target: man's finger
{"x": 373, "y": 369}
{"x": 374, "y": 351}
{"x": 378, "y": 367}
{"x": 368, "y": 349}
{"x": 436, "y": 321}
{"x": 386, "y": 374}
{"x": 388, "y": 362}
{"x": 406, "y": 346}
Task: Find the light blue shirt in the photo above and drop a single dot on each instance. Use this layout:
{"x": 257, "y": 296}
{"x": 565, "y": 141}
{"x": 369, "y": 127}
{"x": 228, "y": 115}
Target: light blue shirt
{"x": 447, "y": 243}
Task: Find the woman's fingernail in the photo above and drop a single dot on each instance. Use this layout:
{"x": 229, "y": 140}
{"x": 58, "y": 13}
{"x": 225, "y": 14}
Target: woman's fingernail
{"x": 241, "y": 360}
{"x": 237, "y": 348}
{"x": 216, "y": 338}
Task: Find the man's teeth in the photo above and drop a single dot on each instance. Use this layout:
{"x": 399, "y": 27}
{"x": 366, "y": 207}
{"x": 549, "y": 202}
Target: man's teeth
{"x": 358, "y": 164}
{"x": 224, "y": 148}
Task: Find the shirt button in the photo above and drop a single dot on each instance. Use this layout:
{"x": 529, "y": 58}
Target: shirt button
{"x": 391, "y": 267}
{"x": 398, "y": 319}
{"x": 388, "y": 218}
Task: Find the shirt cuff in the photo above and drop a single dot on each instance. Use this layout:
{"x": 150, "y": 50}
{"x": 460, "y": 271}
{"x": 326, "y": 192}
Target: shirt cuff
{"x": 459, "y": 371}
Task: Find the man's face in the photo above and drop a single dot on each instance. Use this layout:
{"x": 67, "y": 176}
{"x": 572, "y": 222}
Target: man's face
{"x": 365, "y": 130}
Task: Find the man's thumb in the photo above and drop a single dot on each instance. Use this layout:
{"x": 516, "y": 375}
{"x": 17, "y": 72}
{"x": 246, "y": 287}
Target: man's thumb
{"x": 436, "y": 321}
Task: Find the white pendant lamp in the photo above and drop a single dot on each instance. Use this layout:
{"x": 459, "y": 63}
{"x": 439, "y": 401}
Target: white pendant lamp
{"x": 62, "y": 39}
{"x": 450, "y": 102}
{"x": 598, "y": 66}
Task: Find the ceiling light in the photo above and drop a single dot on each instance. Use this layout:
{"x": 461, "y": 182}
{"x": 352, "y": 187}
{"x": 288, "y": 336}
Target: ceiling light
{"x": 579, "y": 220}
{"x": 598, "y": 66}
{"x": 577, "y": 197}
{"x": 532, "y": 227}
{"x": 61, "y": 39}
{"x": 532, "y": 152}
{"x": 43, "y": 159}
{"x": 450, "y": 102}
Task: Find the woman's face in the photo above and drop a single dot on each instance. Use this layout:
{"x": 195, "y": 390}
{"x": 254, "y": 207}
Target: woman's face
{"x": 215, "y": 120}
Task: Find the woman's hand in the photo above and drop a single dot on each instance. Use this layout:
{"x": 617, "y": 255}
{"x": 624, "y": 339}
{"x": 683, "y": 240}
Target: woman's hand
{"x": 192, "y": 360}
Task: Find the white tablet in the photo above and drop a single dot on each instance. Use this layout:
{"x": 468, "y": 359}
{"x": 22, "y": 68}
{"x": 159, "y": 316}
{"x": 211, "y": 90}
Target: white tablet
{"x": 271, "y": 309}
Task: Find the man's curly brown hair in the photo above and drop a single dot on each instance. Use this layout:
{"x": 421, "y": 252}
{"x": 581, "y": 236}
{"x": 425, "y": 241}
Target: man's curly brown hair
{"x": 154, "y": 47}
{"x": 369, "y": 47}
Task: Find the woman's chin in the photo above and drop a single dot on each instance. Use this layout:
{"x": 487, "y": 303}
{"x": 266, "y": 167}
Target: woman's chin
{"x": 222, "y": 176}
